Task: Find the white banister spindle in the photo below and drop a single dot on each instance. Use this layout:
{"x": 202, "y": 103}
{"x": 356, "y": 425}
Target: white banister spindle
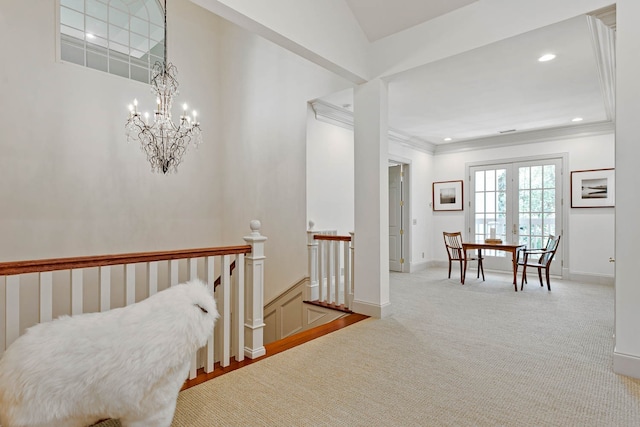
{"x": 76, "y": 291}
{"x": 46, "y": 296}
{"x": 12, "y": 309}
{"x": 210, "y": 279}
{"x": 238, "y": 309}
{"x": 225, "y": 315}
{"x": 173, "y": 272}
{"x": 130, "y": 283}
{"x": 327, "y": 272}
{"x": 346, "y": 275}
{"x": 336, "y": 272}
{"x": 192, "y": 265}
{"x": 321, "y": 252}
{"x": 152, "y": 277}
{"x": 254, "y": 294}
{"x": 105, "y": 288}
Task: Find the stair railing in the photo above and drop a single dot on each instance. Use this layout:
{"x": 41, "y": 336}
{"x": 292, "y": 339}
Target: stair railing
{"x": 331, "y": 279}
{"x": 37, "y": 291}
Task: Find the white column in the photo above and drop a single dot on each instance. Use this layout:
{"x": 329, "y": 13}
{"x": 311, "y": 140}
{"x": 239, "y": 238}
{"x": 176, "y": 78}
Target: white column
{"x": 626, "y": 357}
{"x": 254, "y": 294}
{"x": 371, "y": 153}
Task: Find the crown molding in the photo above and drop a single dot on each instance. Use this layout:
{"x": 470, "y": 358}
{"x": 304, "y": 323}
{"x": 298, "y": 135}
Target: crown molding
{"x": 342, "y": 117}
{"x": 529, "y": 137}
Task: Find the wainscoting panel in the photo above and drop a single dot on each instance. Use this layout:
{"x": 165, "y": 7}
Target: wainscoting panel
{"x": 288, "y": 314}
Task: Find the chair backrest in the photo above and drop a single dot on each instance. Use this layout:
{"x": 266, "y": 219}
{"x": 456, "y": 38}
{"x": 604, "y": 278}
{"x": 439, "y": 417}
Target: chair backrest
{"x": 550, "y": 250}
{"x": 453, "y": 243}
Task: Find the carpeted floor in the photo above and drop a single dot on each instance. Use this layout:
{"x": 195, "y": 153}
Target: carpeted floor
{"x": 450, "y": 355}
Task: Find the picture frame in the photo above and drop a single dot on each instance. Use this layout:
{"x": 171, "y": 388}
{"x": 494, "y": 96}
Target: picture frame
{"x": 447, "y": 196}
{"x": 593, "y": 188}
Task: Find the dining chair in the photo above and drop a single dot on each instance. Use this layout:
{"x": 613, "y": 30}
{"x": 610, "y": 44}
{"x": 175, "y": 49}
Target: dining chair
{"x": 453, "y": 243}
{"x": 540, "y": 259}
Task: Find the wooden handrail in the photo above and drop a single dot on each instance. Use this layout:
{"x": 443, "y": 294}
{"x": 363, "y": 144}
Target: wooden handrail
{"x": 54, "y": 264}
{"x": 327, "y": 237}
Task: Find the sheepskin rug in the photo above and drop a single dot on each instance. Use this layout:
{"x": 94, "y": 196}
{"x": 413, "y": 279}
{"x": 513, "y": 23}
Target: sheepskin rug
{"x": 127, "y": 363}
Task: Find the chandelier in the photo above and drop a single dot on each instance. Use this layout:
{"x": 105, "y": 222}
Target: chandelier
{"x": 164, "y": 142}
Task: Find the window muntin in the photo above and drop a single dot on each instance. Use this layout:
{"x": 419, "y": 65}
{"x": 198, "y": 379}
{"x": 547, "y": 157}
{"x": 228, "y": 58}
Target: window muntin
{"x": 122, "y": 37}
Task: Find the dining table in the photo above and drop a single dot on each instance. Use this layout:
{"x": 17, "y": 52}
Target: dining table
{"x": 506, "y": 247}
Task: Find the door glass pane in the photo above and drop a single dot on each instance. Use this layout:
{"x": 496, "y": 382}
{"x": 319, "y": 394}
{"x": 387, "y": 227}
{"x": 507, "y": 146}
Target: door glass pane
{"x": 480, "y": 181}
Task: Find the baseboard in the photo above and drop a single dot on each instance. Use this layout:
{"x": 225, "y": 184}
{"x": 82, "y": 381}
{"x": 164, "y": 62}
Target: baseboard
{"x": 372, "y": 310}
{"x": 418, "y": 266}
{"x": 626, "y": 365}
{"x": 596, "y": 279}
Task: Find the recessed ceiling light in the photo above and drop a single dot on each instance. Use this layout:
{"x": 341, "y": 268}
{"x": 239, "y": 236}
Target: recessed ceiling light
{"x": 546, "y": 57}
{"x": 448, "y": 139}
{"x": 90, "y": 36}
{"x": 577, "y": 119}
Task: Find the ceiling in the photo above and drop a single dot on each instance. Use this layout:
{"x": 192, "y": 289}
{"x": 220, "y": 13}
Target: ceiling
{"x": 381, "y": 18}
{"x": 491, "y": 91}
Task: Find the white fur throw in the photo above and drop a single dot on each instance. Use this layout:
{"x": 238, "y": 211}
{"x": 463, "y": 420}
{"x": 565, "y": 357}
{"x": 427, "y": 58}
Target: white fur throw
{"x": 127, "y": 363}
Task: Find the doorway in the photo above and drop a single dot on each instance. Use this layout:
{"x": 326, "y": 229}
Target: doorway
{"x": 398, "y": 216}
{"x": 517, "y": 202}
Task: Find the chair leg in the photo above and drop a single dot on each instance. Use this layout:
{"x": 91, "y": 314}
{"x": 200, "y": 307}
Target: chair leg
{"x": 449, "y": 269}
{"x": 524, "y": 276}
{"x": 546, "y": 273}
{"x": 463, "y": 271}
{"x": 481, "y": 268}
{"x": 540, "y": 275}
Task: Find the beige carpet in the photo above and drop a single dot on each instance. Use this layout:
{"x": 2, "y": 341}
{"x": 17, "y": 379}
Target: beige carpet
{"x": 450, "y": 355}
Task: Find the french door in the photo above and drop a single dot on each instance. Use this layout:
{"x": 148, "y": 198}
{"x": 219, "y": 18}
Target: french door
{"x": 517, "y": 202}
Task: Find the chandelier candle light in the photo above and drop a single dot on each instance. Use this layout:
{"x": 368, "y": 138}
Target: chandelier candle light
{"x": 163, "y": 142}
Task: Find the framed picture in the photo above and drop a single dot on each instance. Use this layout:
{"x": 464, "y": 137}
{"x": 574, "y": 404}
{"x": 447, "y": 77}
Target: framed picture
{"x": 447, "y": 196}
{"x": 593, "y": 188}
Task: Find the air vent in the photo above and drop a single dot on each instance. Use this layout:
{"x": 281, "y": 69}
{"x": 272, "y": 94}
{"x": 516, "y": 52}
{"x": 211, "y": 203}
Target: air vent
{"x": 506, "y": 131}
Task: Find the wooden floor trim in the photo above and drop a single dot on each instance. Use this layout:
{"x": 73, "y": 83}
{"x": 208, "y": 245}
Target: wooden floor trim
{"x": 278, "y": 347}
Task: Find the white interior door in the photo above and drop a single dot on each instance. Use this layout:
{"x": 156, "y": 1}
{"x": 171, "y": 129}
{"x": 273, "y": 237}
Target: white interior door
{"x": 395, "y": 218}
{"x": 517, "y": 202}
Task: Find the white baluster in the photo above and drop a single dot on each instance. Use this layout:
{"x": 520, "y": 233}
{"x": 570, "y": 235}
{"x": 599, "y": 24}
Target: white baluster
{"x": 76, "y": 291}
{"x": 130, "y": 283}
{"x": 336, "y": 271}
{"x": 210, "y": 278}
{"x": 152, "y": 277}
{"x": 173, "y": 272}
{"x": 225, "y": 316}
{"x": 254, "y": 294}
{"x": 321, "y": 252}
{"x": 12, "y": 309}
{"x": 192, "y": 265}
{"x": 238, "y": 309}
{"x": 105, "y": 288}
{"x": 346, "y": 276}
{"x": 46, "y": 296}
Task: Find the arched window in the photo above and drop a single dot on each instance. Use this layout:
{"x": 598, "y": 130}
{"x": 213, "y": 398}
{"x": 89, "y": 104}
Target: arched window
{"x": 122, "y": 37}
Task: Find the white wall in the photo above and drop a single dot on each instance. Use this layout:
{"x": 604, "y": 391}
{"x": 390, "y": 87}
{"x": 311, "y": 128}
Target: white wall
{"x": 330, "y": 192}
{"x": 69, "y": 183}
{"x": 264, "y": 99}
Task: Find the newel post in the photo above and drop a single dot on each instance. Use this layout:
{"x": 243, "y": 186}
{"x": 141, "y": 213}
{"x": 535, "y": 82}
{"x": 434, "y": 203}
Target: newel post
{"x": 254, "y": 294}
{"x": 312, "y": 247}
